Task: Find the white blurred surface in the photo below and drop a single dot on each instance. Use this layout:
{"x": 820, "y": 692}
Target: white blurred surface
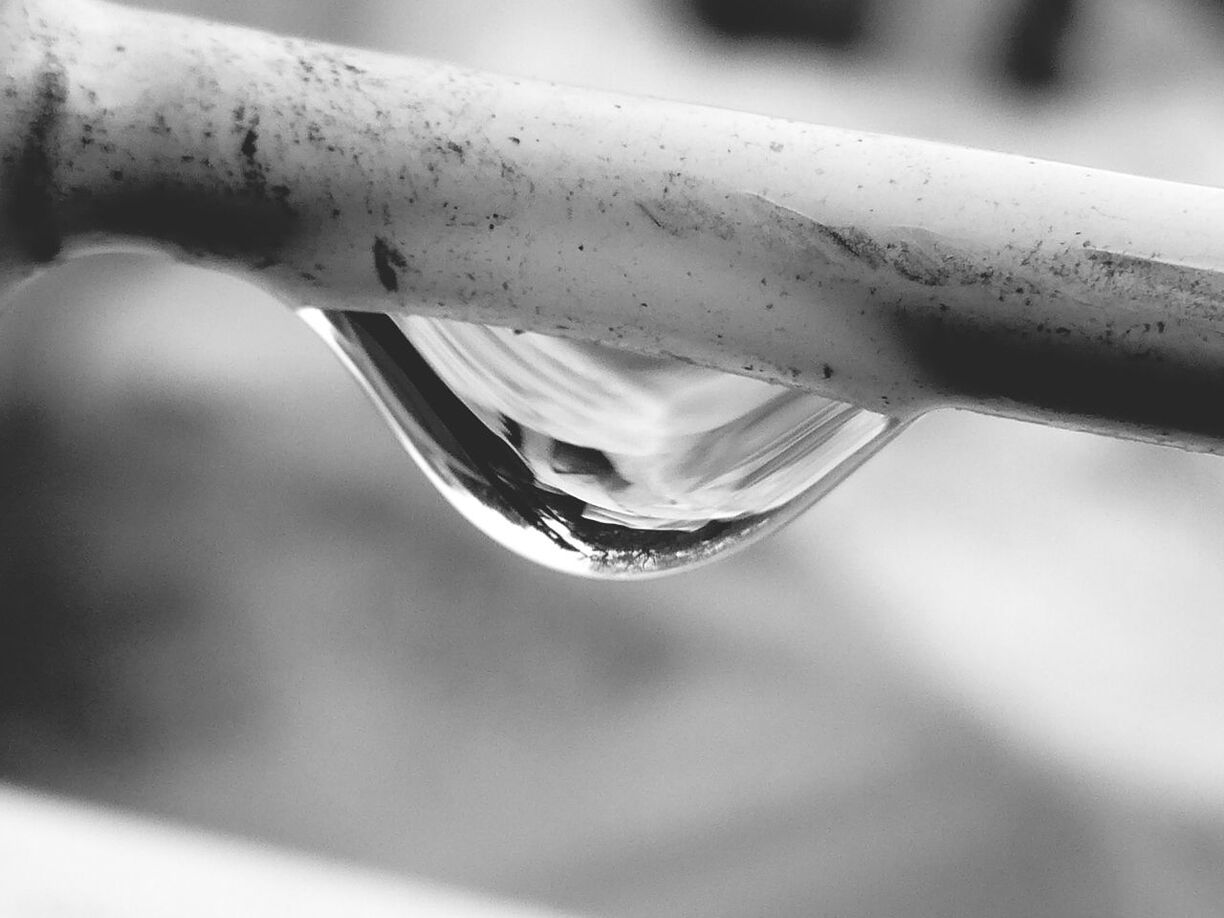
{"x": 67, "y": 860}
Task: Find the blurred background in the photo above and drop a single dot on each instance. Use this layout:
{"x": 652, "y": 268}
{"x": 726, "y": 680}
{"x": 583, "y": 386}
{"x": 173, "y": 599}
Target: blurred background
{"x": 982, "y": 678}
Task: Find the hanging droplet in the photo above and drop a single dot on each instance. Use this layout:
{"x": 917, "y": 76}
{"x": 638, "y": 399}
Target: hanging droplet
{"x": 593, "y": 460}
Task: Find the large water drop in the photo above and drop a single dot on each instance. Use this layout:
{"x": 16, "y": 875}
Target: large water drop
{"x": 593, "y": 460}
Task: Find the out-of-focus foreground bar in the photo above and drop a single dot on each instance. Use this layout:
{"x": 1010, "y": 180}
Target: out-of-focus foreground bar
{"x": 60, "y": 858}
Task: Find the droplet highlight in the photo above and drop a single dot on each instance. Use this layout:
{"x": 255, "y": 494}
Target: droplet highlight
{"x": 592, "y": 460}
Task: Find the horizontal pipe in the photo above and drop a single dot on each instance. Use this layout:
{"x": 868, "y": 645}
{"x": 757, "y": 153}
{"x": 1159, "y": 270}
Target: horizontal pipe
{"x": 895, "y": 274}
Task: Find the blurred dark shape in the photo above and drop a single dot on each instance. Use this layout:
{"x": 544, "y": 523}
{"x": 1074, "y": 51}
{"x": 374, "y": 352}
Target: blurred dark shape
{"x": 830, "y": 23}
{"x": 1033, "y": 54}
{"x": 46, "y": 683}
{"x": 108, "y": 649}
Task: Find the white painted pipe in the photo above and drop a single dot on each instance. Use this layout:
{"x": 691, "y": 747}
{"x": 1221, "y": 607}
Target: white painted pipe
{"x": 894, "y": 274}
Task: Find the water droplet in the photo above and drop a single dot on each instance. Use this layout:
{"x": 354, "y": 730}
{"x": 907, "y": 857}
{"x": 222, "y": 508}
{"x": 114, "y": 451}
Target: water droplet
{"x": 593, "y": 460}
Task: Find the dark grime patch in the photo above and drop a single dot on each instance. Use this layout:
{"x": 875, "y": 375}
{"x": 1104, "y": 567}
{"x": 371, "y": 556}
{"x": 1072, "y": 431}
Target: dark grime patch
{"x": 853, "y": 242}
{"x": 250, "y": 145}
{"x": 386, "y": 259}
{"x": 30, "y": 177}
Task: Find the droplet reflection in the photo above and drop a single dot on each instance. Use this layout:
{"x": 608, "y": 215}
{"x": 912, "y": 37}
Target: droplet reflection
{"x": 593, "y": 460}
